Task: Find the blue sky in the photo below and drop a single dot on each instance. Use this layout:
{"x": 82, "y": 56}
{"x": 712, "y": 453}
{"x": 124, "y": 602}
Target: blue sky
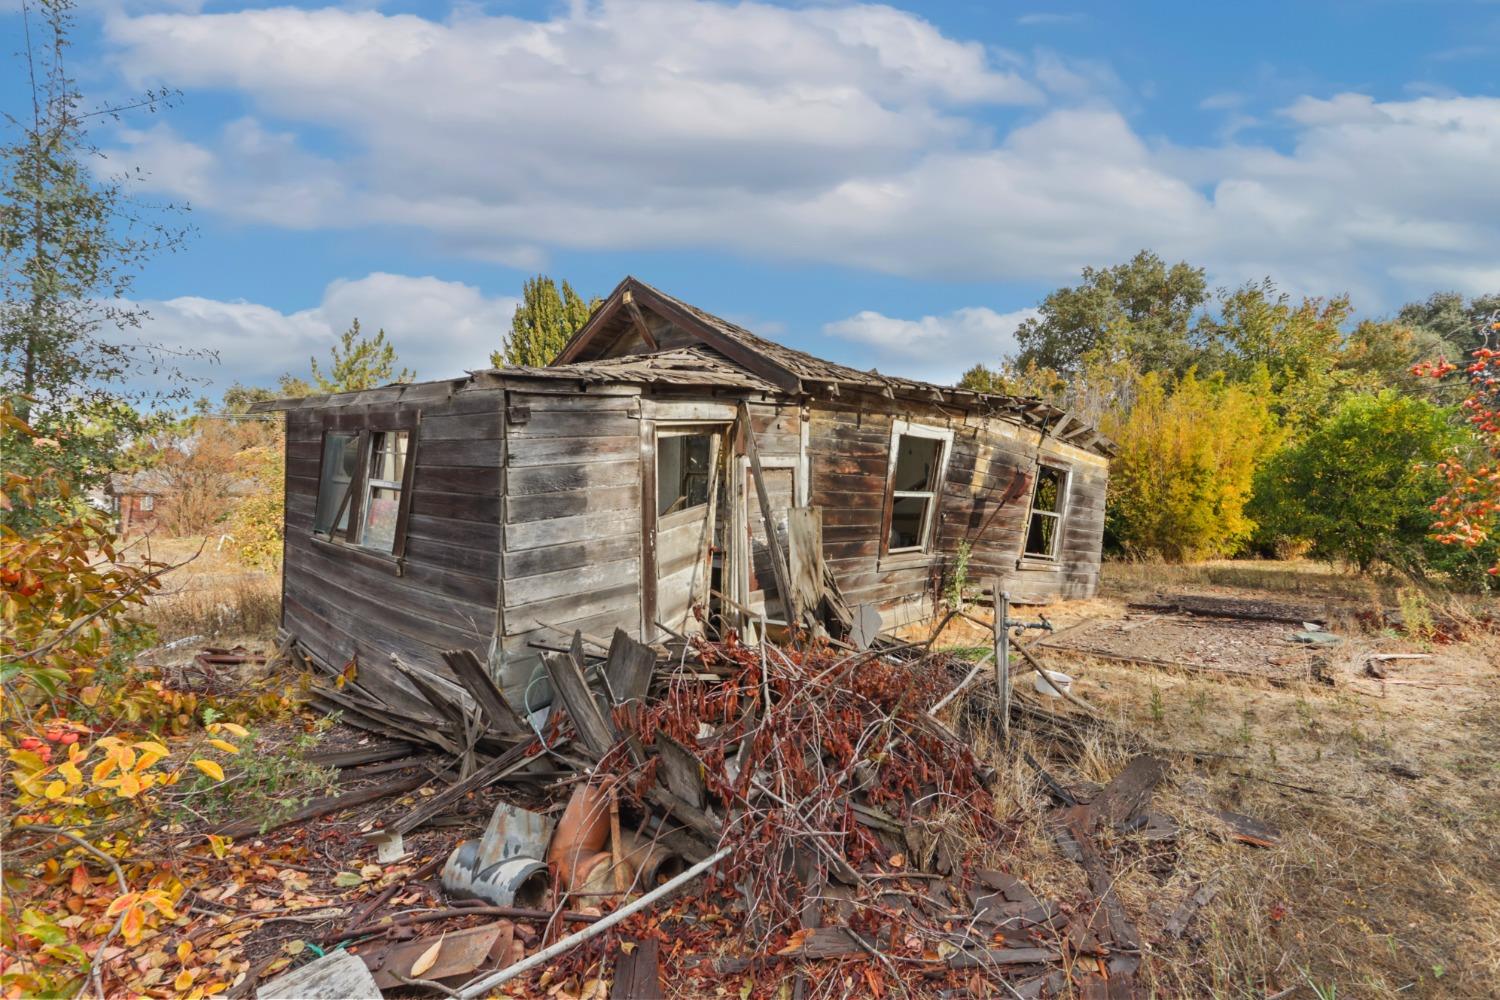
{"x": 888, "y": 186}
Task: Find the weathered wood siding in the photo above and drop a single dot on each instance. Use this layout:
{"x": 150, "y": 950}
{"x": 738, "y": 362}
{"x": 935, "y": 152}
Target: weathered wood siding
{"x": 985, "y": 500}
{"x": 342, "y": 607}
{"x": 572, "y": 522}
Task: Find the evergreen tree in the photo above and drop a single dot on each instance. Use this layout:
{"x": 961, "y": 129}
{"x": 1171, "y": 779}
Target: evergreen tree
{"x": 543, "y": 323}
{"x": 357, "y": 362}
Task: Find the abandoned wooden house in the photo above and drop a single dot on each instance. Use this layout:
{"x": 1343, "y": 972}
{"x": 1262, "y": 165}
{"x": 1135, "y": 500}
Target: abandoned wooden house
{"x": 622, "y": 487}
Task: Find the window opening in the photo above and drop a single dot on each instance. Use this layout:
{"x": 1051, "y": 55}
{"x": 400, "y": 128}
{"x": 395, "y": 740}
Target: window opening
{"x": 382, "y": 506}
{"x": 1044, "y": 533}
{"x": 682, "y": 471}
{"x": 913, "y": 491}
{"x": 335, "y": 483}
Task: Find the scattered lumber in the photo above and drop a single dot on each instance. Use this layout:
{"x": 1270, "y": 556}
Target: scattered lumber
{"x": 1227, "y": 607}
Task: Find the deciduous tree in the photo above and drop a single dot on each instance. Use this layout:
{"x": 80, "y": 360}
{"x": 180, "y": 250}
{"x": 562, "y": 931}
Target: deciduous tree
{"x": 71, "y": 244}
{"x": 543, "y": 323}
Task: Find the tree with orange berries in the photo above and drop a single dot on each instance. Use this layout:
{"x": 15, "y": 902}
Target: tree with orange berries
{"x": 1468, "y": 514}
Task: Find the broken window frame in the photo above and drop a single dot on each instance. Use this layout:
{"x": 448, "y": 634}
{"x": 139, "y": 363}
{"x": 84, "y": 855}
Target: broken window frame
{"x": 933, "y": 496}
{"x": 365, "y": 426}
{"x": 1059, "y": 516}
{"x": 666, "y": 431}
{"x": 146, "y": 504}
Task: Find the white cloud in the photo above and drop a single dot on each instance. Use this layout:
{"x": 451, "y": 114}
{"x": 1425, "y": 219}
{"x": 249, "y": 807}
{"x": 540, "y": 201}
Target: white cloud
{"x": 937, "y": 348}
{"x": 844, "y": 134}
{"x": 439, "y": 328}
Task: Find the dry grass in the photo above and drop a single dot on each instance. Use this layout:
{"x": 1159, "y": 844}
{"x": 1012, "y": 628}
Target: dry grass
{"x": 212, "y": 594}
{"x": 1384, "y": 885}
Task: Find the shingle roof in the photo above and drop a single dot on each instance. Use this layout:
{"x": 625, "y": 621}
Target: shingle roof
{"x": 700, "y": 365}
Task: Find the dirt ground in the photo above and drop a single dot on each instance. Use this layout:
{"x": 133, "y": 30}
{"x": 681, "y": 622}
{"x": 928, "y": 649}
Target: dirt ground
{"x": 1386, "y": 882}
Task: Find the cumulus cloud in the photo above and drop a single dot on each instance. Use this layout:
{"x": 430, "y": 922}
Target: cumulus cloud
{"x": 439, "y": 328}
{"x": 937, "y": 348}
{"x": 856, "y": 135}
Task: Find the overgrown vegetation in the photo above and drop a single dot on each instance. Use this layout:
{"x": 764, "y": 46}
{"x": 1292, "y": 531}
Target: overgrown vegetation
{"x": 543, "y": 323}
{"x": 1252, "y": 423}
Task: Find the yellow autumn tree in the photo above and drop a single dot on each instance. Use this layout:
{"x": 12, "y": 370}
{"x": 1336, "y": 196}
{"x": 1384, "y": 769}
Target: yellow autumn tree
{"x": 1188, "y": 450}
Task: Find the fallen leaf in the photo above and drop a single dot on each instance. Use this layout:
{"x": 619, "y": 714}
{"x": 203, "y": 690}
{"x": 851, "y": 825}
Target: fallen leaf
{"x": 210, "y": 768}
{"x": 427, "y": 959}
{"x": 346, "y": 880}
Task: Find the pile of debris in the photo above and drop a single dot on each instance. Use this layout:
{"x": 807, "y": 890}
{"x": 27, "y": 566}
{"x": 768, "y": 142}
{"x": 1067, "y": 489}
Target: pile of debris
{"x": 706, "y": 809}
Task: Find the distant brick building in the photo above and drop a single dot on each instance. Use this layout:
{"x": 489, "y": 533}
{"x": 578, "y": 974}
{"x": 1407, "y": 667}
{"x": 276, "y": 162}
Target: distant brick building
{"x": 136, "y": 500}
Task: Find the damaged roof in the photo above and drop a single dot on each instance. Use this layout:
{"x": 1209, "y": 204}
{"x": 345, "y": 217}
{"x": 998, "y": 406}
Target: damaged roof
{"x": 720, "y": 354}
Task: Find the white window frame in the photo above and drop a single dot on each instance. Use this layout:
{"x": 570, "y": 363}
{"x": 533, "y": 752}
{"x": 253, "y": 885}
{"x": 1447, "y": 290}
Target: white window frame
{"x": 372, "y": 484}
{"x": 1061, "y": 514}
{"x": 906, "y": 428}
{"x": 147, "y": 503}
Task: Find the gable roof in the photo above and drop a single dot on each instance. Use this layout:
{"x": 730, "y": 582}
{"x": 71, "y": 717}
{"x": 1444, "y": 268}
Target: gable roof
{"x": 797, "y": 371}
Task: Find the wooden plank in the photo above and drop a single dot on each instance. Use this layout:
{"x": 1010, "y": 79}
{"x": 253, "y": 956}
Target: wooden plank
{"x": 778, "y": 557}
{"x": 582, "y": 423}
{"x": 483, "y": 481}
{"x": 638, "y": 972}
{"x": 534, "y": 534}
{"x": 570, "y": 476}
{"x": 476, "y": 680}
{"x": 629, "y": 667}
{"x": 1128, "y": 793}
{"x": 552, "y": 450}
{"x": 525, "y": 617}
{"x": 578, "y": 582}
{"x": 463, "y": 427}
{"x": 543, "y": 506}
{"x": 458, "y": 453}
{"x": 572, "y": 690}
{"x": 456, "y": 506}
{"x": 507, "y": 763}
{"x": 569, "y": 555}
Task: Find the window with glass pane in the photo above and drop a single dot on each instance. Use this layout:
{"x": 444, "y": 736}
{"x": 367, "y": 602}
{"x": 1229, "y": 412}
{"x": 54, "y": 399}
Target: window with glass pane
{"x": 382, "y": 506}
{"x": 913, "y": 491}
{"x": 682, "y": 467}
{"x": 335, "y": 477}
{"x": 1045, "y": 530}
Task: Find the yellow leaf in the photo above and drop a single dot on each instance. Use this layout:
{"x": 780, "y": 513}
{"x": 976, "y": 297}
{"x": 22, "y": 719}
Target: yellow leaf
{"x": 427, "y": 959}
{"x": 55, "y": 789}
{"x": 225, "y": 745}
{"x": 183, "y": 981}
{"x": 102, "y": 769}
{"x": 120, "y": 904}
{"x": 133, "y": 924}
{"x": 219, "y": 845}
{"x": 90, "y": 695}
{"x": 149, "y": 746}
{"x": 209, "y": 768}
{"x": 184, "y": 951}
{"x": 69, "y": 770}
{"x": 235, "y": 730}
{"x": 130, "y": 786}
